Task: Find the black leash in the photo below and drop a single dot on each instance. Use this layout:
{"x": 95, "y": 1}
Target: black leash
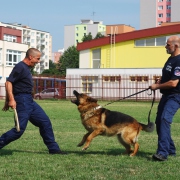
{"x": 136, "y": 94}
{"x": 129, "y": 96}
{"x": 151, "y": 105}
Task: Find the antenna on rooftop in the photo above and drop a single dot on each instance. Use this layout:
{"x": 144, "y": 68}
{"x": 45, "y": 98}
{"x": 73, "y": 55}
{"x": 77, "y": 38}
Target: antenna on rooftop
{"x": 93, "y": 14}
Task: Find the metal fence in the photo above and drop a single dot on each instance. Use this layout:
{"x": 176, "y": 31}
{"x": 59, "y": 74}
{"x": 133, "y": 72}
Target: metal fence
{"x": 101, "y": 87}
{"x": 111, "y": 87}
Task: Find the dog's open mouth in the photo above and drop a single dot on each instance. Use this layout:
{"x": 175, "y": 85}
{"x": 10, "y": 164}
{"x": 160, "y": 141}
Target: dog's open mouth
{"x": 75, "y": 101}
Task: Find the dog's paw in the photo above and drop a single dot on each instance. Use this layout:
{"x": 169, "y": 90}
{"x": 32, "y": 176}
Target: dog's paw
{"x": 132, "y": 154}
{"x": 84, "y": 148}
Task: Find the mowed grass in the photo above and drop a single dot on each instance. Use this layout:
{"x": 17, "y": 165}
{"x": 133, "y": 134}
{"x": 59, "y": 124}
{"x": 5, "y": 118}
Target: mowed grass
{"x": 28, "y": 158}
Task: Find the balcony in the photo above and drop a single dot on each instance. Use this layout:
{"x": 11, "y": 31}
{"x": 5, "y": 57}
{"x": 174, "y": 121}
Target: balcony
{"x": 38, "y": 37}
{"x": 42, "y": 46}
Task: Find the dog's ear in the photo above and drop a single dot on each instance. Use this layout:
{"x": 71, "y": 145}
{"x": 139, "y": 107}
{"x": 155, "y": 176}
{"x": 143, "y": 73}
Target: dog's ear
{"x": 90, "y": 99}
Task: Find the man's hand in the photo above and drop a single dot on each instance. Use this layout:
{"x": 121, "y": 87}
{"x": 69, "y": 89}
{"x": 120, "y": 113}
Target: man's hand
{"x": 154, "y": 86}
{"x": 8, "y": 104}
{"x": 12, "y": 104}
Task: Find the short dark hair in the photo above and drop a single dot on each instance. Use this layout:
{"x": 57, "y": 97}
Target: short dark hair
{"x": 32, "y": 52}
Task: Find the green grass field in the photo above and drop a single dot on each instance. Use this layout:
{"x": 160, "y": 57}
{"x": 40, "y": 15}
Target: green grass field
{"x": 28, "y": 158}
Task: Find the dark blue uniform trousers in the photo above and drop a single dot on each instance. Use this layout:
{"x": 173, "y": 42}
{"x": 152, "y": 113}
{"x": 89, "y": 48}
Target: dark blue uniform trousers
{"x": 168, "y": 106}
{"x": 28, "y": 109}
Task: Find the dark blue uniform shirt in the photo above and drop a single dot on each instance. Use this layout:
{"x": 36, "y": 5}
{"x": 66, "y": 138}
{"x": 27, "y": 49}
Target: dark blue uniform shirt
{"x": 171, "y": 71}
{"x": 21, "y": 79}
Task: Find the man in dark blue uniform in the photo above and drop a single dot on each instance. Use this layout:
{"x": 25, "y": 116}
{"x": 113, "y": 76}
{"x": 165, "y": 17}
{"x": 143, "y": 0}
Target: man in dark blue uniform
{"x": 19, "y": 96}
{"x": 169, "y": 86}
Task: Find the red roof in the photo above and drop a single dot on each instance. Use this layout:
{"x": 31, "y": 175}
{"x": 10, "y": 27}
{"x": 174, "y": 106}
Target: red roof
{"x": 138, "y": 34}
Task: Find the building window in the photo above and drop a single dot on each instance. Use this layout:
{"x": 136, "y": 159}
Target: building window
{"x": 84, "y": 27}
{"x": 168, "y": 0}
{"x": 87, "y": 83}
{"x": 156, "y": 77}
{"x": 84, "y": 34}
{"x": 12, "y": 57}
{"x": 32, "y": 40}
{"x": 76, "y": 41}
{"x": 111, "y": 78}
{"x": 168, "y": 7}
{"x": 160, "y": 0}
{"x": 150, "y": 42}
{"x": 140, "y": 42}
{"x": 96, "y": 55}
{"x": 139, "y": 78}
{"x": 10, "y": 38}
{"x": 77, "y": 28}
{"x": 32, "y": 34}
{"x": 168, "y": 15}
{"x": 160, "y": 7}
{"x": 161, "y": 41}
{"x": 77, "y": 34}
{"x": 160, "y": 15}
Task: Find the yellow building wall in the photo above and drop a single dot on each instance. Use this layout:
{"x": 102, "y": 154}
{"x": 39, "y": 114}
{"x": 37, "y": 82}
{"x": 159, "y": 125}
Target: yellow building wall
{"x": 126, "y": 55}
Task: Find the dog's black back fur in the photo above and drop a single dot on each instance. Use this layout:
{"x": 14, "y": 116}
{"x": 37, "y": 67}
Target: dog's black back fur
{"x": 113, "y": 117}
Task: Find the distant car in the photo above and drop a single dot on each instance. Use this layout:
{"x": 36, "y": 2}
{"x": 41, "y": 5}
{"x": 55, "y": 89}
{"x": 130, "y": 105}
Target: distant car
{"x": 47, "y": 94}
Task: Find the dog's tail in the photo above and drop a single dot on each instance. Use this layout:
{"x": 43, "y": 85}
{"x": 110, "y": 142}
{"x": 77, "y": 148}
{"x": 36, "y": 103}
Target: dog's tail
{"x": 149, "y": 127}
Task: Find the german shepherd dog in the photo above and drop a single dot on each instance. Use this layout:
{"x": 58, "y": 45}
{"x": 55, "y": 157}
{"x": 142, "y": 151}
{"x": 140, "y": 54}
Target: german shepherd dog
{"x": 100, "y": 121}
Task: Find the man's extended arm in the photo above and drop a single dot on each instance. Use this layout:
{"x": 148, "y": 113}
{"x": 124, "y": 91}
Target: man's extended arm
{"x": 167, "y": 85}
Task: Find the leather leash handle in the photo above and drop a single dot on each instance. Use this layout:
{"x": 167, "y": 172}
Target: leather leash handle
{"x": 151, "y": 106}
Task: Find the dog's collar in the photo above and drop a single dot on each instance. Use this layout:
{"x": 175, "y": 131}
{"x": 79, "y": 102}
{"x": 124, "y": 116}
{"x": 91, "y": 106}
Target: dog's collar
{"x": 98, "y": 107}
{"x": 92, "y": 110}
{"x": 90, "y": 113}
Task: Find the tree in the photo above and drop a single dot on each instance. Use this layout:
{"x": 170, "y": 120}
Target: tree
{"x": 98, "y": 35}
{"x": 32, "y": 71}
{"x": 52, "y": 69}
{"x": 87, "y": 37}
{"x": 69, "y": 59}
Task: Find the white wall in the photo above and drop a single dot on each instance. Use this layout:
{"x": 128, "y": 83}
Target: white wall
{"x": 88, "y": 71}
{"x": 175, "y": 6}
{"x": 84, "y": 59}
{"x": 69, "y": 36}
{"x": 148, "y": 11}
{"x": 111, "y": 89}
{"x": 4, "y": 69}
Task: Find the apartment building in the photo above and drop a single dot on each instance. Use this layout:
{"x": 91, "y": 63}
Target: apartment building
{"x": 12, "y": 51}
{"x": 73, "y": 34}
{"x": 154, "y": 12}
{"x": 41, "y": 40}
{"x": 57, "y": 55}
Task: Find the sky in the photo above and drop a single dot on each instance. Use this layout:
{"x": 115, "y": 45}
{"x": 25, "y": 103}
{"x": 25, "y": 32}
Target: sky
{"x": 52, "y": 15}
